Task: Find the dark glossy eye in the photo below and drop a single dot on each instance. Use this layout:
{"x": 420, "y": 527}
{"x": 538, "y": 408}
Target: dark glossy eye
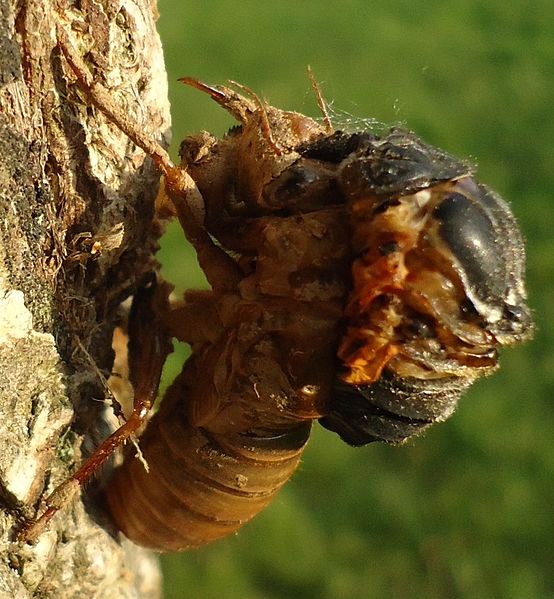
{"x": 305, "y": 185}
{"x": 293, "y": 181}
{"x": 336, "y": 147}
{"x": 470, "y": 234}
{"x": 479, "y": 229}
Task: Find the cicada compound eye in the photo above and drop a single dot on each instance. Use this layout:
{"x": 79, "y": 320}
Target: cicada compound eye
{"x": 488, "y": 254}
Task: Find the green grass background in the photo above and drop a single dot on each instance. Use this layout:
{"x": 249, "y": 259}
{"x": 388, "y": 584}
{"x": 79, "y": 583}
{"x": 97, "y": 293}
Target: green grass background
{"x": 468, "y": 510}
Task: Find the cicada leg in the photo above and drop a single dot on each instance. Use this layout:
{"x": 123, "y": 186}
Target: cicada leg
{"x": 149, "y": 346}
{"x": 220, "y": 269}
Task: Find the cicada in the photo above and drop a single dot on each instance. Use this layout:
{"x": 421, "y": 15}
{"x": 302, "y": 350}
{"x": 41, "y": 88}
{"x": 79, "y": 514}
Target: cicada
{"x": 360, "y": 280}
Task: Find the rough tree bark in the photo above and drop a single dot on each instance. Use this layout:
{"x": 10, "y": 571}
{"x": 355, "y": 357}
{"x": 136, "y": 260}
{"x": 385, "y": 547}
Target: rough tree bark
{"x": 76, "y": 232}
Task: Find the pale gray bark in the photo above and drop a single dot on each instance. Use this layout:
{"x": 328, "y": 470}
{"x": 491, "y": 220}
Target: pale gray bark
{"x": 76, "y": 232}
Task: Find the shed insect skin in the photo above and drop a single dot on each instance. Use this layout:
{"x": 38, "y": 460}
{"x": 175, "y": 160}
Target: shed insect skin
{"x": 358, "y": 280}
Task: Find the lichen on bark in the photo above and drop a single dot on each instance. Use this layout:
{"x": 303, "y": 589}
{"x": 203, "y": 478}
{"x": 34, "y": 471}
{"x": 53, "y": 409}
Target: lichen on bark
{"x": 77, "y": 231}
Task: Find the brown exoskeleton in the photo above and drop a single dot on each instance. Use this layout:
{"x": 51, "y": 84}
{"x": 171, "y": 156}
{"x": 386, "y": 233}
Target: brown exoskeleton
{"x": 358, "y": 280}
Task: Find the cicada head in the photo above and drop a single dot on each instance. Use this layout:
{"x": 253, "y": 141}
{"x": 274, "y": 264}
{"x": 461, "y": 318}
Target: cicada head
{"x": 438, "y": 287}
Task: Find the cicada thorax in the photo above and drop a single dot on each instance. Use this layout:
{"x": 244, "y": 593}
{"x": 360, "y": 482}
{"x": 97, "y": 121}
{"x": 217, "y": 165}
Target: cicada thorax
{"x": 434, "y": 292}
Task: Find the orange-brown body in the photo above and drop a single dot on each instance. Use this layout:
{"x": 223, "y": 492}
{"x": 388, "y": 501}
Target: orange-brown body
{"x": 341, "y": 291}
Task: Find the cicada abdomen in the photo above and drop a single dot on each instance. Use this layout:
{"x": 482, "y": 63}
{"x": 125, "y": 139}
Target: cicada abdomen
{"x": 199, "y": 486}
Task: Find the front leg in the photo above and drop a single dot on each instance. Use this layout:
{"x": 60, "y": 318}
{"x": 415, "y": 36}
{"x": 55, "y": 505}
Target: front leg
{"x": 221, "y": 270}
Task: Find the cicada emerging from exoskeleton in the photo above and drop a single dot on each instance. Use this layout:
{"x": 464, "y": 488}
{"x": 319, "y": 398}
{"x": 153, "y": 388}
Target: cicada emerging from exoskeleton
{"x": 360, "y": 280}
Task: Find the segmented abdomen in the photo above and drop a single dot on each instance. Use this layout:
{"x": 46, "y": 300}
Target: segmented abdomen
{"x": 200, "y": 486}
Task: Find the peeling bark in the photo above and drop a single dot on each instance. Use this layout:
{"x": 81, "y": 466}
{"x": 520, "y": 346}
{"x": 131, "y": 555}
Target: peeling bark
{"x": 76, "y": 233}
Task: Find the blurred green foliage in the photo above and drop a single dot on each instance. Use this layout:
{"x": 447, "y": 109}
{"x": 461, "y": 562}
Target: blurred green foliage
{"x": 468, "y": 510}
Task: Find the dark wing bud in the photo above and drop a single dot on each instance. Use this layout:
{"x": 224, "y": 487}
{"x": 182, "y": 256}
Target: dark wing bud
{"x": 399, "y": 163}
{"x": 391, "y": 409}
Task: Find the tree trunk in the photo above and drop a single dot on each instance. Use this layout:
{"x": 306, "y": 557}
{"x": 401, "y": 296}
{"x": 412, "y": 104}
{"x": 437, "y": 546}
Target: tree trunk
{"x": 76, "y": 232}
